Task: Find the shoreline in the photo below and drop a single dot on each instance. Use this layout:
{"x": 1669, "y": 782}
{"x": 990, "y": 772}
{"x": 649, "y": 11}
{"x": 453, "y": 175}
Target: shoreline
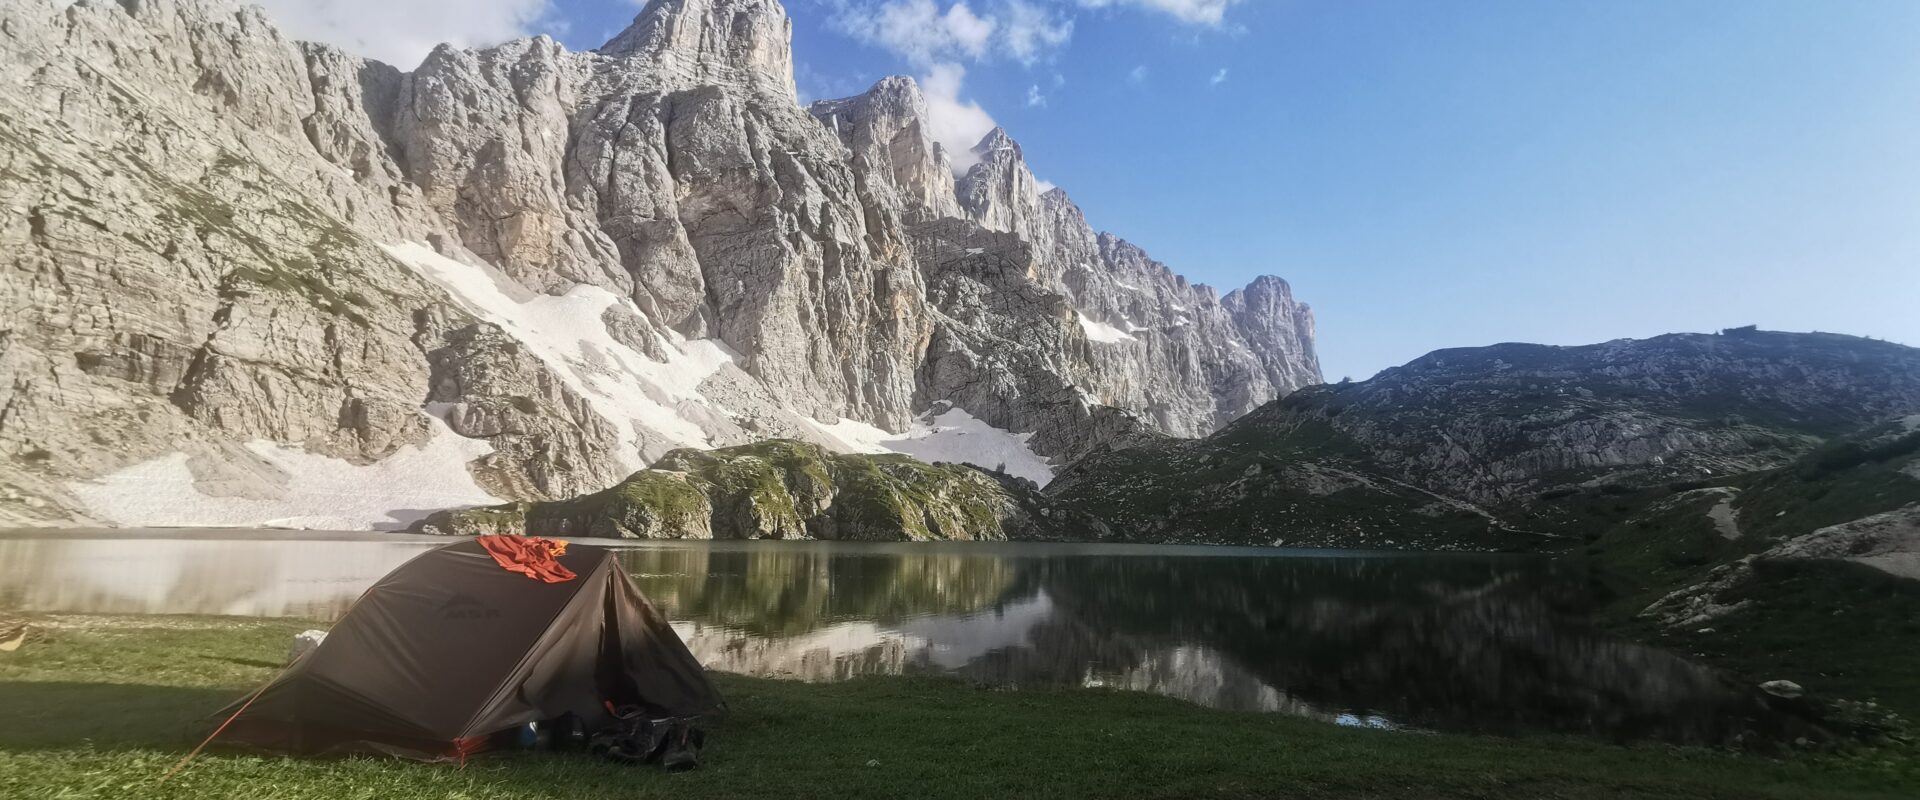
{"x": 100, "y": 708}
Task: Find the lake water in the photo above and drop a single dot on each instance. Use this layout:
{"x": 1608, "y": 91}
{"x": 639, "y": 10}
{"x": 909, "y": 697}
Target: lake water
{"x": 1481, "y": 643}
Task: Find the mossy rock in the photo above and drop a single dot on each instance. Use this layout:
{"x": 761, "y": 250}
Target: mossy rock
{"x": 647, "y": 505}
{"x": 782, "y": 489}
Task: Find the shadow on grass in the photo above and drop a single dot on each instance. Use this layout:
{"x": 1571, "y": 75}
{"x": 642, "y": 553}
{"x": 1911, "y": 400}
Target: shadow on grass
{"x": 260, "y": 663}
{"x": 886, "y": 738}
{"x": 44, "y": 716}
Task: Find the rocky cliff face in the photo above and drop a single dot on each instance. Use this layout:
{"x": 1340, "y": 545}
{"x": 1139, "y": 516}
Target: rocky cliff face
{"x": 1176, "y": 354}
{"x": 1491, "y": 447}
{"x": 246, "y": 278}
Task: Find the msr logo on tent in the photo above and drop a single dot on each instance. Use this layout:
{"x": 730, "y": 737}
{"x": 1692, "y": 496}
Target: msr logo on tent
{"x": 461, "y": 606}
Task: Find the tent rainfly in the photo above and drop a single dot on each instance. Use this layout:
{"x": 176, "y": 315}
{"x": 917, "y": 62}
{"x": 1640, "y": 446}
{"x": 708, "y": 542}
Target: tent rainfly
{"x": 461, "y": 643}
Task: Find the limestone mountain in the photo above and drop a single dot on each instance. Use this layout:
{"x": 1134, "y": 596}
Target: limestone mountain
{"x": 247, "y": 279}
{"x": 1496, "y": 447}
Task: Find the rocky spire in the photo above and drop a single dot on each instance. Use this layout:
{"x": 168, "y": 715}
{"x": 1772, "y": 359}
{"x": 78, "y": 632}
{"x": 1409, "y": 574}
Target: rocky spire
{"x": 1278, "y": 329}
{"x": 886, "y": 130}
{"x": 704, "y": 42}
{"x": 999, "y": 192}
{"x": 996, "y": 141}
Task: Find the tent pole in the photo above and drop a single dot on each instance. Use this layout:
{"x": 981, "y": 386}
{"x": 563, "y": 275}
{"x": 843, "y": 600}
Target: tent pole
{"x": 256, "y": 695}
{"x": 222, "y": 729}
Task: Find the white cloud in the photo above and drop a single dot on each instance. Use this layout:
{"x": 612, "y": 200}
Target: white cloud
{"x": 924, "y": 34}
{"x": 1193, "y": 12}
{"x": 919, "y": 30}
{"x": 956, "y": 124}
{"x": 1034, "y": 98}
{"x": 1043, "y": 185}
{"x": 1137, "y": 74}
{"x": 1218, "y": 77}
{"x": 1032, "y": 31}
{"x": 402, "y": 33}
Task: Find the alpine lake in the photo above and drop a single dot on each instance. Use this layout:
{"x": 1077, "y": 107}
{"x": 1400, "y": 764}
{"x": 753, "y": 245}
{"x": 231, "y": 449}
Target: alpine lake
{"x": 1453, "y": 643}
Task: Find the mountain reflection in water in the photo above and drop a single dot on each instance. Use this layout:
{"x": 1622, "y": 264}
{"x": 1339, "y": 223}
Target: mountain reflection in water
{"x": 255, "y": 575}
{"x": 1443, "y": 642}
{"x": 1438, "y": 642}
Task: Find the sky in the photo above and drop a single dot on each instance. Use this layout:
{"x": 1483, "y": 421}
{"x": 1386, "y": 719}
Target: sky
{"x": 1424, "y": 174}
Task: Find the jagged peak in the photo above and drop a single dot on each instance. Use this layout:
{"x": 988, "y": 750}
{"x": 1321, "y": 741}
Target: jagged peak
{"x": 712, "y": 41}
{"x": 1056, "y": 200}
{"x": 898, "y": 86}
{"x": 997, "y": 140}
{"x": 1266, "y": 284}
{"x": 897, "y": 94}
{"x": 667, "y": 13}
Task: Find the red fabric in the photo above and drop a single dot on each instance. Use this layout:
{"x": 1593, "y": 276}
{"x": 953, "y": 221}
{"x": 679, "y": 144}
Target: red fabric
{"x": 468, "y": 745}
{"x": 529, "y": 556}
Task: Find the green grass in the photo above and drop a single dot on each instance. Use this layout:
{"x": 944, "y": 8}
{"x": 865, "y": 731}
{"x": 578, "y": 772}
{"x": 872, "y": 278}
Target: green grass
{"x": 1251, "y": 484}
{"x": 101, "y": 710}
{"x": 1843, "y": 481}
{"x": 1643, "y": 557}
{"x": 1838, "y": 628}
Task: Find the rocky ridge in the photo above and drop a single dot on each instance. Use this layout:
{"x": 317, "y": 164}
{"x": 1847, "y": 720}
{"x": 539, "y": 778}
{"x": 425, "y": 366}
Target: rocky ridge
{"x": 1504, "y": 446}
{"x": 231, "y": 253}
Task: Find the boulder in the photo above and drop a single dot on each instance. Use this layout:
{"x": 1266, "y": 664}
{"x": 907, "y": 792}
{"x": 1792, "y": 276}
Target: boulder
{"x": 1785, "y": 690}
{"x": 305, "y": 642}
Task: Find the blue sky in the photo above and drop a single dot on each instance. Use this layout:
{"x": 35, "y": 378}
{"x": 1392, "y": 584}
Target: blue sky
{"x": 1426, "y": 174}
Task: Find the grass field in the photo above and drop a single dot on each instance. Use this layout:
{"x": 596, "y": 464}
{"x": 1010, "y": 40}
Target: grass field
{"x": 103, "y": 708}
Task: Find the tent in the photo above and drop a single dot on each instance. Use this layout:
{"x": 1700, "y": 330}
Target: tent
{"x": 462, "y": 643}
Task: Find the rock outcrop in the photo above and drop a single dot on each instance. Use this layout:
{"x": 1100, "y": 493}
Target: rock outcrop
{"x": 786, "y": 489}
{"x": 579, "y": 261}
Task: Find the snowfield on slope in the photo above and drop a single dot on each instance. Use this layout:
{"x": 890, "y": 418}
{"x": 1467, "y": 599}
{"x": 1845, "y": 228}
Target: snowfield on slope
{"x": 566, "y": 332}
{"x": 289, "y": 487}
{"x": 298, "y": 489}
{"x": 952, "y": 436}
{"x": 1102, "y": 332}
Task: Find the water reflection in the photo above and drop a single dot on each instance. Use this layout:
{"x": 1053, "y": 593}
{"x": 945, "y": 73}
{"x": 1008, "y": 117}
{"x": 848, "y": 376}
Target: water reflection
{"x": 254, "y": 577}
{"x": 784, "y": 590}
{"x": 1452, "y": 643}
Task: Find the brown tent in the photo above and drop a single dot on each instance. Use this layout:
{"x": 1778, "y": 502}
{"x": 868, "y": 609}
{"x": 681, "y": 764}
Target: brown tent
{"x": 452, "y": 648}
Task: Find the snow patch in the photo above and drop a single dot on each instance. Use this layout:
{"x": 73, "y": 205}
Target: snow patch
{"x": 952, "y": 436}
{"x": 1102, "y": 332}
{"x": 321, "y": 492}
{"x": 566, "y": 332}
